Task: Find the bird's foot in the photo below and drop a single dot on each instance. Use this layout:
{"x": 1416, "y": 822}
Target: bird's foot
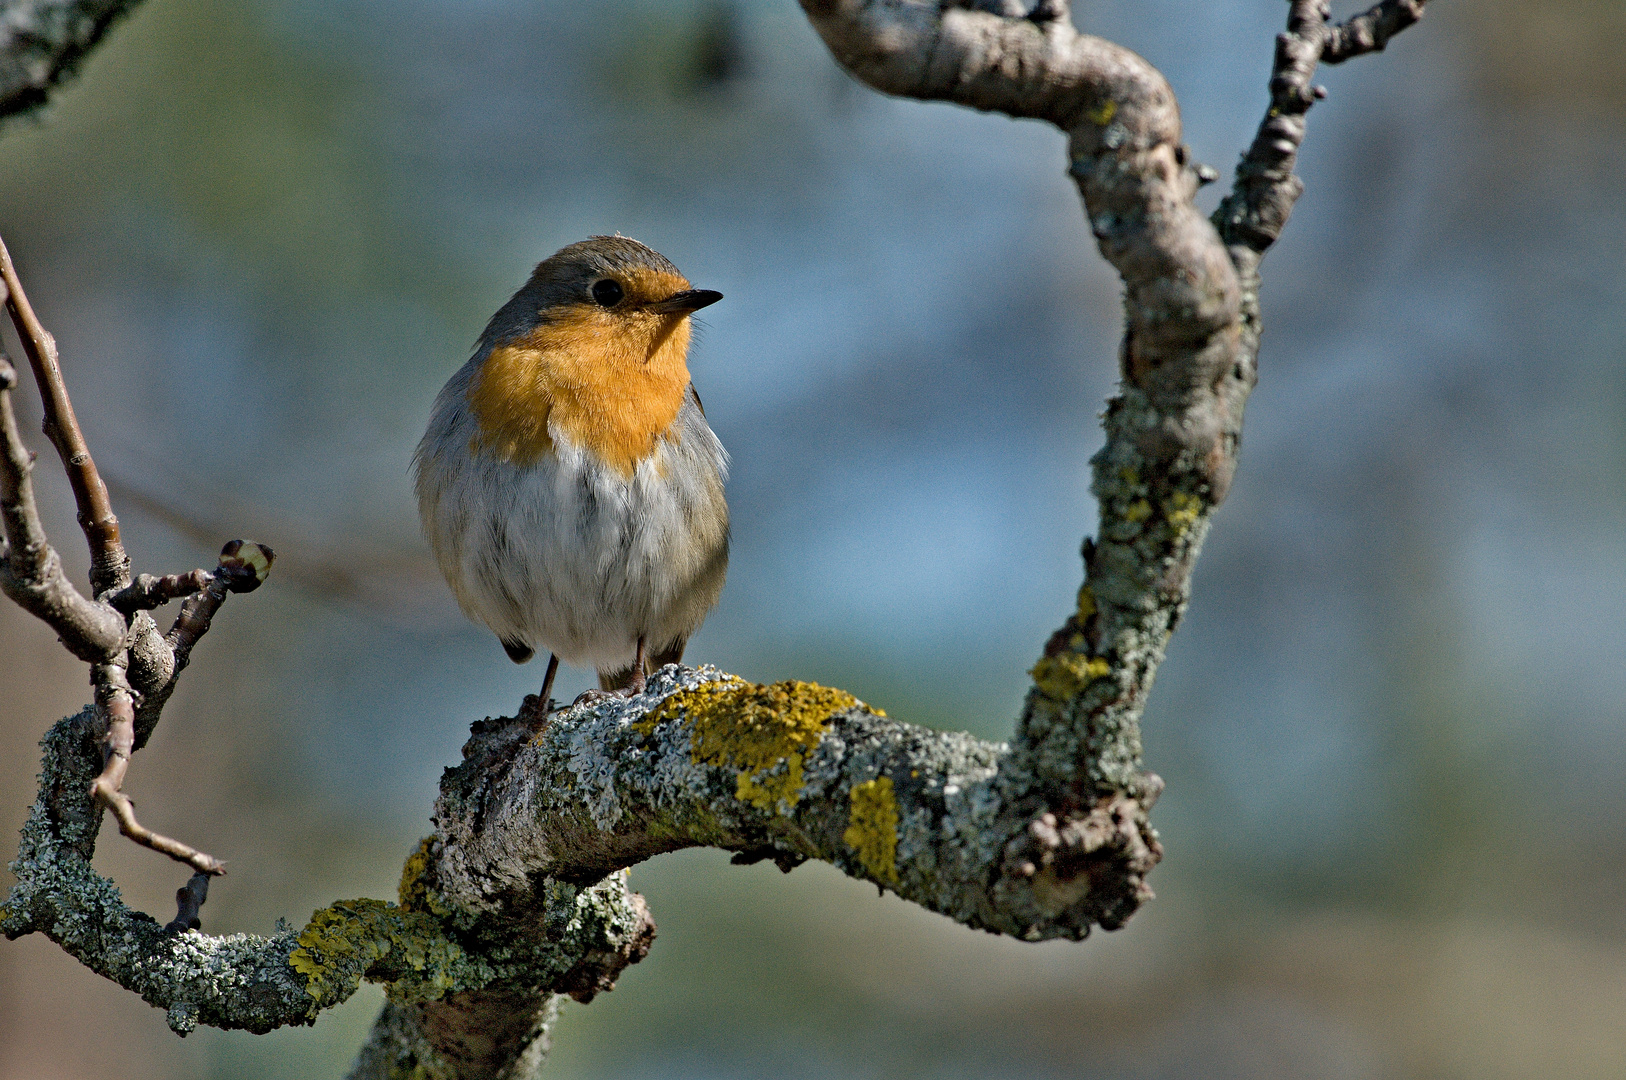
{"x": 593, "y": 697}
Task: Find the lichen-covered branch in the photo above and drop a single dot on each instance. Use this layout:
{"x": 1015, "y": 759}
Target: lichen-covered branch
{"x": 520, "y": 896}
{"x": 260, "y": 983}
{"x": 1172, "y": 434}
{"x": 786, "y": 772}
{"x": 42, "y": 43}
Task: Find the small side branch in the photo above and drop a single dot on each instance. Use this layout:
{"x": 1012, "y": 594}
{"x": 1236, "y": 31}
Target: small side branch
{"x": 189, "y": 901}
{"x": 109, "y": 565}
{"x": 243, "y": 567}
{"x": 147, "y": 591}
{"x": 116, "y": 707}
{"x": 1252, "y": 216}
{"x": 1369, "y": 31}
{"x": 115, "y": 635}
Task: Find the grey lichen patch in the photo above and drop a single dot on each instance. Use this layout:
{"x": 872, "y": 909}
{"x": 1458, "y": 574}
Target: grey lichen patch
{"x": 182, "y": 1018}
{"x": 592, "y": 774}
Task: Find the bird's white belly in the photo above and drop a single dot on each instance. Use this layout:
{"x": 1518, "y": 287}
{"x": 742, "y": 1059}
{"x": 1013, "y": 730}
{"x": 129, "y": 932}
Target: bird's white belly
{"x": 568, "y": 555}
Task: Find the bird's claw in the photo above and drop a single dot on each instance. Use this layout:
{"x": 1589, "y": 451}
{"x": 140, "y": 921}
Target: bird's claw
{"x": 593, "y": 697}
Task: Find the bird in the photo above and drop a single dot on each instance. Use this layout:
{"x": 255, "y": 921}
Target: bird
{"x": 569, "y": 484}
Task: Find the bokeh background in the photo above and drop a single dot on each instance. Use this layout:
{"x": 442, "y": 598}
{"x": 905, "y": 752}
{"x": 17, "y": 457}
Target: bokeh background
{"x": 264, "y": 233}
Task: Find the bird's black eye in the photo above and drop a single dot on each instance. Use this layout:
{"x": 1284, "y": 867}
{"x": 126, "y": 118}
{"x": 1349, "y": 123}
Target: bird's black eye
{"x": 607, "y": 292}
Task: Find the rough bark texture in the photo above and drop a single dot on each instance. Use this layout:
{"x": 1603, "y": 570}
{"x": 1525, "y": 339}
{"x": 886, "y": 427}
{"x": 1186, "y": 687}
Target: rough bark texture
{"x": 520, "y": 896}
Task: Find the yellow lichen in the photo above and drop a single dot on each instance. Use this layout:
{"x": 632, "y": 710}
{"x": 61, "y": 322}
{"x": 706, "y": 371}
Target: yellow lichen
{"x": 762, "y": 732}
{"x": 414, "y": 892}
{"x": 1103, "y": 113}
{"x": 872, "y": 831}
{"x": 1139, "y": 510}
{"x": 345, "y": 940}
{"x": 1061, "y": 677}
{"x": 1086, "y": 602}
{"x": 338, "y": 945}
{"x": 1182, "y": 510}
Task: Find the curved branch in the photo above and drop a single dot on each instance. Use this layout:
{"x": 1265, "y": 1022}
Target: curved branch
{"x": 259, "y": 983}
{"x": 1174, "y": 431}
{"x": 1123, "y": 129}
{"x": 786, "y": 772}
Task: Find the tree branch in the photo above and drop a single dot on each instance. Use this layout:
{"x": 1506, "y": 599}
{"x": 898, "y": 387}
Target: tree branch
{"x": 30, "y": 570}
{"x": 584, "y": 937}
{"x": 1174, "y": 431}
{"x": 113, "y": 632}
{"x": 189, "y": 901}
{"x": 109, "y": 565}
{"x": 1370, "y": 31}
{"x": 521, "y": 896}
{"x": 43, "y": 42}
{"x": 791, "y": 771}
{"x": 115, "y": 706}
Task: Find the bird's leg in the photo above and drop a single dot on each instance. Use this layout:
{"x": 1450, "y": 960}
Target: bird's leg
{"x": 628, "y": 682}
{"x": 640, "y": 678}
{"x": 536, "y": 708}
{"x": 547, "y": 682}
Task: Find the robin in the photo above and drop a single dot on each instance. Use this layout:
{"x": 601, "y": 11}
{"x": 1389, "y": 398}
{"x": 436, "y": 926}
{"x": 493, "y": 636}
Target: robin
{"x": 569, "y": 484}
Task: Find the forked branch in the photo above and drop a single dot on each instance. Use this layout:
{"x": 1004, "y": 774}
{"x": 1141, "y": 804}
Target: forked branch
{"x": 109, "y": 630}
{"x": 520, "y": 895}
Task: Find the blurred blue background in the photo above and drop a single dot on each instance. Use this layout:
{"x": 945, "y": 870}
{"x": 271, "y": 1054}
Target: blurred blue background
{"x": 265, "y": 233}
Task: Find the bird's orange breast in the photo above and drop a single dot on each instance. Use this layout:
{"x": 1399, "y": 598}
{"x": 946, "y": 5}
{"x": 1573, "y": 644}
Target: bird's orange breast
{"x": 611, "y": 383}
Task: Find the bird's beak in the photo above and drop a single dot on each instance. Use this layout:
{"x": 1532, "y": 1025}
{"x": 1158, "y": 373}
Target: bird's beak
{"x": 689, "y": 300}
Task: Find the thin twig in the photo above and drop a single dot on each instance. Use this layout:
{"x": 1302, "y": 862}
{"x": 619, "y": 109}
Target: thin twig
{"x": 109, "y": 565}
{"x": 189, "y": 900}
{"x": 1252, "y": 216}
{"x": 1369, "y": 31}
{"x": 116, "y": 707}
{"x": 147, "y": 591}
{"x": 244, "y": 565}
{"x": 30, "y": 570}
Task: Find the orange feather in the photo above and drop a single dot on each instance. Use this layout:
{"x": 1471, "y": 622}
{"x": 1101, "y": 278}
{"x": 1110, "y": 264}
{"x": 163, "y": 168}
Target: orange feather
{"x": 610, "y": 381}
